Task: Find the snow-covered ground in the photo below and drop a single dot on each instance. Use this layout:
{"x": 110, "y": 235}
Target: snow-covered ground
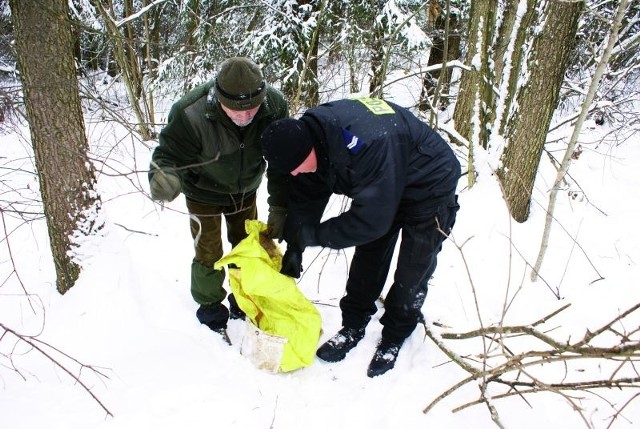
{"x": 130, "y": 319}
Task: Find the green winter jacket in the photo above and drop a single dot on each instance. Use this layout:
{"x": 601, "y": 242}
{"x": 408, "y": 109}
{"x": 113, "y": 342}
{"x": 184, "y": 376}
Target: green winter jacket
{"x": 217, "y": 161}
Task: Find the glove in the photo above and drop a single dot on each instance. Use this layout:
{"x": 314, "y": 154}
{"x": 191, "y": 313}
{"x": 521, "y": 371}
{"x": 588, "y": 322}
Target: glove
{"x": 275, "y": 221}
{"x": 292, "y": 259}
{"x": 164, "y": 186}
{"x": 292, "y": 262}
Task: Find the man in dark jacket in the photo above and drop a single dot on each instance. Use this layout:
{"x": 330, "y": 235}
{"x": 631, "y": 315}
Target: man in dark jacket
{"x": 210, "y": 150}
{"x": 400, "y": 176}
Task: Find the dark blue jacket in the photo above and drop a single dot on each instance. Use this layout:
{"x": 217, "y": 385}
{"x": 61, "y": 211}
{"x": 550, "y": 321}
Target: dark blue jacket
{"x": 378, "y": 154}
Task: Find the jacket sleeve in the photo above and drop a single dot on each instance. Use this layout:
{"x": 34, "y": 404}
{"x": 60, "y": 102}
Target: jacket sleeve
{"x": 278, "y": 182}
{"x": 308, "y": 198}
{"x": 377, "y": 179}
{"x": 277, "y": 188}
{"x": 178, "y": 145}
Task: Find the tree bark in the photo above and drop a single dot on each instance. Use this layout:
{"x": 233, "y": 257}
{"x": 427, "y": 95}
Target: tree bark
{"x": 67, "y": 177}
{"x": 537, "y": 99}
{"x": 476, "y": 98}
{"x": 308, "y": 86}
{"x": 437, "y": 55}
{"x": 378, "y": 52}
{"x": 512, "y": 40}
{"x": 126, "y": 59}
{"x": 469, "y": 80}
{"x": 303, "y": 87}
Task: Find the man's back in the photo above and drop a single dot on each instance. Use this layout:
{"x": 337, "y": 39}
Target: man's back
{"x": 404, "y": 146}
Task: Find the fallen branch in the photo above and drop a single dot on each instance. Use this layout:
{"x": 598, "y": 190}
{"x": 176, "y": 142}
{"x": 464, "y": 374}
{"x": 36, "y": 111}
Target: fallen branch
{"x": 508, "y": 369}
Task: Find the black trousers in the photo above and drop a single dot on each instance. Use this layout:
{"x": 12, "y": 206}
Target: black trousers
{"x": 423, "y": 230}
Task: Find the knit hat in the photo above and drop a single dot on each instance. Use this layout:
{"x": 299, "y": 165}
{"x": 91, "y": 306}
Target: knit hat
{"x": 286, "y": 144}
{"x": 239, "y": 84}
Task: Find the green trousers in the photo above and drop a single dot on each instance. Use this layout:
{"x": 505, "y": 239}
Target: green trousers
{"x": 206, "y": 230}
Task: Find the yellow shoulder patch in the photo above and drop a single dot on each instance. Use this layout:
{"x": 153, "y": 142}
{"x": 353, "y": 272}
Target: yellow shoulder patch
{"x": 377, "y": 106}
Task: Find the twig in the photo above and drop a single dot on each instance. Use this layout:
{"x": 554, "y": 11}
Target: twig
{"x": 13, "y": 265}
{"x": 135, "y": 231}
{"x": 35, "y": 343}
{"x": 615, "y": 416}
{"x": 560, "y": 352}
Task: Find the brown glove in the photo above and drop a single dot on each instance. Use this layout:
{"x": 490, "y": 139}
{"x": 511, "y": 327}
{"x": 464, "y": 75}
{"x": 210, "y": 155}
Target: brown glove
{"x": 275, "y": 221}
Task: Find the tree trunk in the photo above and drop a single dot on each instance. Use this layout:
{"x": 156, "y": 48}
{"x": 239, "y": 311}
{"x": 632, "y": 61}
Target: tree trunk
{"x": 313, "y": 87}
{"x": 308, "y": 86}
{"x": 152, "y": 36}
{"x": 476, "y": 96}
{"x": 437, "y": 56}
{"x": 537, "y": 99}
{"x": 190, "y": 22}
{"x": 67, "y": 178}
{"x": 475, "y": 84}
{"x": 513, "y": 37}
{"x": 130, "y": 52}
{"x": 123, "y": 50}
{"x": 378, "y": 51}
{"x": 302, "y": 88}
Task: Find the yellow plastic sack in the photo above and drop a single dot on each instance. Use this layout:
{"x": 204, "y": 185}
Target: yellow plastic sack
{"x": 272, "y": 301}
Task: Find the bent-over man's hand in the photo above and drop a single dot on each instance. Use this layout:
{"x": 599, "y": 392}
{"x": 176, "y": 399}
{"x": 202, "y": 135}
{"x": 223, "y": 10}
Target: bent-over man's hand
{"x": 292, "y": 263}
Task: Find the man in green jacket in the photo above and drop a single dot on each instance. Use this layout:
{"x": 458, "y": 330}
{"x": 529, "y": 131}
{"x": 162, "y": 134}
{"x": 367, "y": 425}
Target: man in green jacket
{"x": 210, "y": 151}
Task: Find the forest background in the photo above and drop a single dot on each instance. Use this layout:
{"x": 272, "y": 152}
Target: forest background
{"x": 512, "y": 84}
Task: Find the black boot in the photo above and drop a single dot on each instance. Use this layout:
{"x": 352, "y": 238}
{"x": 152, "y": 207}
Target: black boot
{"x": 234, "y": 311}
{"x": 223, "y": 333}
{"x": 340, "y": 344}
{"x": 215, "y": 317}
{"x": 384, "y": 358}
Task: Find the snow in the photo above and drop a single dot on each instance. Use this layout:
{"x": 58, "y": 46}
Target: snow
{"x": 131, "y": 318}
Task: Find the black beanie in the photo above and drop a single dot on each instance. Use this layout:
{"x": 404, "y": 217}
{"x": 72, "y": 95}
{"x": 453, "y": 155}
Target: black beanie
{"x": 239, "y": 84}
{"x": 286, "y": 144}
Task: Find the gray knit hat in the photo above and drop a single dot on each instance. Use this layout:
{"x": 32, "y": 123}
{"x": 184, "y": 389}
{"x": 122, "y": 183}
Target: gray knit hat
{"x": 239, "y": 84}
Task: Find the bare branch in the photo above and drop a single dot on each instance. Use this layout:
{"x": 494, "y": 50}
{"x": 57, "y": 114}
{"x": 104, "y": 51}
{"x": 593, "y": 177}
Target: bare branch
{"x": 40, "y": 347}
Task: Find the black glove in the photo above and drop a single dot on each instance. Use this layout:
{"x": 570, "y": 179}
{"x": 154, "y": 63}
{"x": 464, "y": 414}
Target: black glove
{"x": 292, "y": 262}
{"x": 292, "y": 259}
{"x": 275, "y": 221}
{"x": 164, "y": 186}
